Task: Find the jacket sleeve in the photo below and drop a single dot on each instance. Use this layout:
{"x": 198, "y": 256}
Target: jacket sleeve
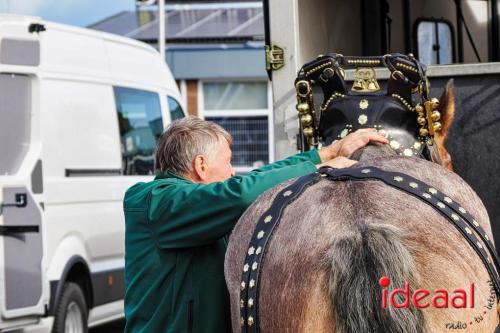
{"x": 193, "y": 214}
{"x": 310, "y": 155}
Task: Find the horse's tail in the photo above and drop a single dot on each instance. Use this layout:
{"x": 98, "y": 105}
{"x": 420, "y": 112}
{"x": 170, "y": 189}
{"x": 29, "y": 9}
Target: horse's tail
{"x": 357, "y": 261}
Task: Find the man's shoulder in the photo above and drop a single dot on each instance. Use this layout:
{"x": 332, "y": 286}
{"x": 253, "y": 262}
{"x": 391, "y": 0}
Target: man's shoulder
{"x": 137, "y": 196}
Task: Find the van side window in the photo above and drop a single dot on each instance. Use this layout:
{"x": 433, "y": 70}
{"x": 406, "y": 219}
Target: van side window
{"x": 175, "y": 109}
{"x": 141, "y": 124}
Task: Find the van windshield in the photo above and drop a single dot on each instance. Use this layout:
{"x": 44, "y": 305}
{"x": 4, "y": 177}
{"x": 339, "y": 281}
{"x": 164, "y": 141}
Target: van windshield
{"x": 15, "y": 107}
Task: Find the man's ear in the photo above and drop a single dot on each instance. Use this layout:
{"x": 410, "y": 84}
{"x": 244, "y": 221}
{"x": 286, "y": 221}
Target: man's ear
{"x": 447, "y": 110}
{"x": 200, "y": 168}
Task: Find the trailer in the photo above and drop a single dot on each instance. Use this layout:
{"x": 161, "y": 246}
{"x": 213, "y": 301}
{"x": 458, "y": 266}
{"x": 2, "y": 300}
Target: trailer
{"x": 457, "y": 39}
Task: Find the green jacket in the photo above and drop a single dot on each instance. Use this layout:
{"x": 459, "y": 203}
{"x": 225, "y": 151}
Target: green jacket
{"x": 175, "y": 241}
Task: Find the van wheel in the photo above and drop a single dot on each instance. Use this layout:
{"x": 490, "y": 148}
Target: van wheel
{"x": 71, "y": 311}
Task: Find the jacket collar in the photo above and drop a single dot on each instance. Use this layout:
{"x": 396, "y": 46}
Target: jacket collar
{"x": 170, "y": 175}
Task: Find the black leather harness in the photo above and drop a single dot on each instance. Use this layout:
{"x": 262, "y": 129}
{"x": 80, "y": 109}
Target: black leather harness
{"x": 453, "y": 211}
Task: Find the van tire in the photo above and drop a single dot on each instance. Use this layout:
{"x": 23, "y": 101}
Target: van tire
{"x": 72, "y": 301}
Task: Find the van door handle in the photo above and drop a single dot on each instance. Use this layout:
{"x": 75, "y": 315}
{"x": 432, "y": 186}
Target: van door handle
{"x": 6, "y": 230}
{"x": 21, "y": 202}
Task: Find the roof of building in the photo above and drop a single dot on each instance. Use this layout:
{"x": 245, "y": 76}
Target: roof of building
{"x": 191, "y": 23}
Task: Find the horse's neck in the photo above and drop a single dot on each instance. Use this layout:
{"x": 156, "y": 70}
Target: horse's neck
{"x": 371, "y": 152}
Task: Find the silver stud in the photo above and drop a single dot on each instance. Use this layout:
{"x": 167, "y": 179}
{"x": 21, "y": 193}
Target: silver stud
{"x": 250, "y": 302}
{"x": 455, "y": 217}
{"x": 268, "y": 219}
{"x": 407, "y": 152}
{"x": 398, "y": 178}
{"x": 252, "y": 283}
{"x": 251, "y": 251}
{"x": 441, "y": 205}
{"x": 254, "y": 266}
{"x": 413, "y": 185}
{"x": 479, "y": 245}
{"x": 243, "y": 285}
{"x": 448, "y": 200}
{"x": 433, "y": 190}
{"x": 287, "y": 193}
{"x": 468, "y": 230}
{"x": 363, "y": 119}
{"x": 245, "y": 268}
{"x": 242, "y": 303}
{"x": 462, "y": 210}
{"x": 365, "y": 171}
{"x": 250, "y": 321}
{"x": 394, "y": 144}
{"x": 417, "y": 145}
{"x": 260, "y": 234}
{"x": 426, "y": 195}
{"x": 344, "y": 133}
{"x": 475, "y": 223}
{"x": 259, "y": 250}
{"x": 486, "y": 237}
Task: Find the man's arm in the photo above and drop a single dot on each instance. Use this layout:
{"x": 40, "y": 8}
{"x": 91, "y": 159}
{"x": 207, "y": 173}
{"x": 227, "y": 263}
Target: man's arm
{"x": 311, "y": 156}
{"x": 193, "y": 214}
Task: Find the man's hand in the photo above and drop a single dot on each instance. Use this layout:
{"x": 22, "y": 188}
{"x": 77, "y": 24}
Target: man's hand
{"x": 338, "y": 163}
{"x": 352, "y": 142}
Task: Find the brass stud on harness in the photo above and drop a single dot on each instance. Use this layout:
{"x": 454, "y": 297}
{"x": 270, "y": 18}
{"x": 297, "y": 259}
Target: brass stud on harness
{"x": 455, "y": 217}
{"x": 441, "y": 205}
{"x": 365, "y": 171}
{"x": 251, "y": 251}
{"x": 260, "y": 234}
{"x": 468, "y": 230}
{"x": 252, "y": 283}
{"x": 287, "y": 193}
{"x": 432, "y": 190}
{"x": 254, "y": 266}
{"x": 413, "y": 185}
{"x": 475, "y": 223}
{"x": 259, "y": 250}
{"x": 250, "y": 321}
{"x": 246, "y": 267}
{"x": 250, "y": 302}
{"x": 426, "y": 195}
{"x": 398, "y": 179}
{"x": 243, "y": 285}
{"x": 242, "y": 303}
{"x": 268, "y": 219}
{"x": 462, "y": 210}
{"x": 448, "y": 200}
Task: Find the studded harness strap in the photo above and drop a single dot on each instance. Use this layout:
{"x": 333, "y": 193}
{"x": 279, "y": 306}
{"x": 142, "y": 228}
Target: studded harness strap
{"x": 454, "y": 212}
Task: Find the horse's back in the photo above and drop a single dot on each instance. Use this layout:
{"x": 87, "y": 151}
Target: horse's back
{"x": 295, "y": 274}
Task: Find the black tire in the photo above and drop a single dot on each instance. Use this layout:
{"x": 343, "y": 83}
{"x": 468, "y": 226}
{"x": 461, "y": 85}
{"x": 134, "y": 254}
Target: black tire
{"x": 72, "y": 295}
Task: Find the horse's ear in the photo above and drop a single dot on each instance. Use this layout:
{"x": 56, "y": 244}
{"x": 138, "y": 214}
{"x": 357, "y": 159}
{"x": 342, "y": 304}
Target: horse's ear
{"x": 447, "y": 110}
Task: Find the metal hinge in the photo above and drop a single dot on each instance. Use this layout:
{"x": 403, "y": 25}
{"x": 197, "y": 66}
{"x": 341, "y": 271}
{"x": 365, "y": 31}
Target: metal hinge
{"x": 275, "y": 57}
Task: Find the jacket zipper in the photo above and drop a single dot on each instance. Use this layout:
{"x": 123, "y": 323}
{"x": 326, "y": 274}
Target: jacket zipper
{"x": 190, "y": 316}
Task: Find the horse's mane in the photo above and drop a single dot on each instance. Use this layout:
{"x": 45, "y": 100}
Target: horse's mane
{"x": 372, "y": 151}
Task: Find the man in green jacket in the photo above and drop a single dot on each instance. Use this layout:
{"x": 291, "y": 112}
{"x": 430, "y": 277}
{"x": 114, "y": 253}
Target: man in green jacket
{"x": 178, "y": 224}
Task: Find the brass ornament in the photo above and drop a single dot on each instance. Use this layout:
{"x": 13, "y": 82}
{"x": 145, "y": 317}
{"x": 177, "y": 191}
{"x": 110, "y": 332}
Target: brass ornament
{"x": 362, "y": 119}
{"x": 306, "y": 120}
{"x": 365, "y": 80}
{"x": 250, "y": 321}
{"x": 303, "y": 108}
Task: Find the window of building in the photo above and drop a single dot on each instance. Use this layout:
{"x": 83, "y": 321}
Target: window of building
{"x": 175, "y": 109}
{"x": 141, "y": 124}
{"x": 243, "y": 109}
{"x": 434, "y": 42}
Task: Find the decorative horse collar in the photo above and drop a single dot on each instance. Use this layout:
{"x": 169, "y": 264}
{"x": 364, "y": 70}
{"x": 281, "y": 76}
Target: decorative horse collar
{"x": 409, "y": 126}
{"x": 468, "y": 227}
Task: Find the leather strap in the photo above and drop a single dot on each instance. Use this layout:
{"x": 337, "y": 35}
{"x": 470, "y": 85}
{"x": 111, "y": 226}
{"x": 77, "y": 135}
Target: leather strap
{"x": 453, "y": 211}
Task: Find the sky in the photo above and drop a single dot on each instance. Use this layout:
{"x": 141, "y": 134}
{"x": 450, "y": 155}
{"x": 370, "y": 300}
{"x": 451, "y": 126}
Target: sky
{"x": 73, "y": 12}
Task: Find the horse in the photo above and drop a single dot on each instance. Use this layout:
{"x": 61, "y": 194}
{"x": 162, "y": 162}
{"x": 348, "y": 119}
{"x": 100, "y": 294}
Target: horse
{"x": 342, "y": 247}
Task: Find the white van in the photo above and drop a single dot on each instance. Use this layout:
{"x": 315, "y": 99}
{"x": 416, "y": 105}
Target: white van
{"x": 79, "y": 114}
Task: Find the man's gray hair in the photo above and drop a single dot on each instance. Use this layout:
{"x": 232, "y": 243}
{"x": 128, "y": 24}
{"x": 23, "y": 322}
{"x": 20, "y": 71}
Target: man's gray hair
{"x": 183, "y": 140}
